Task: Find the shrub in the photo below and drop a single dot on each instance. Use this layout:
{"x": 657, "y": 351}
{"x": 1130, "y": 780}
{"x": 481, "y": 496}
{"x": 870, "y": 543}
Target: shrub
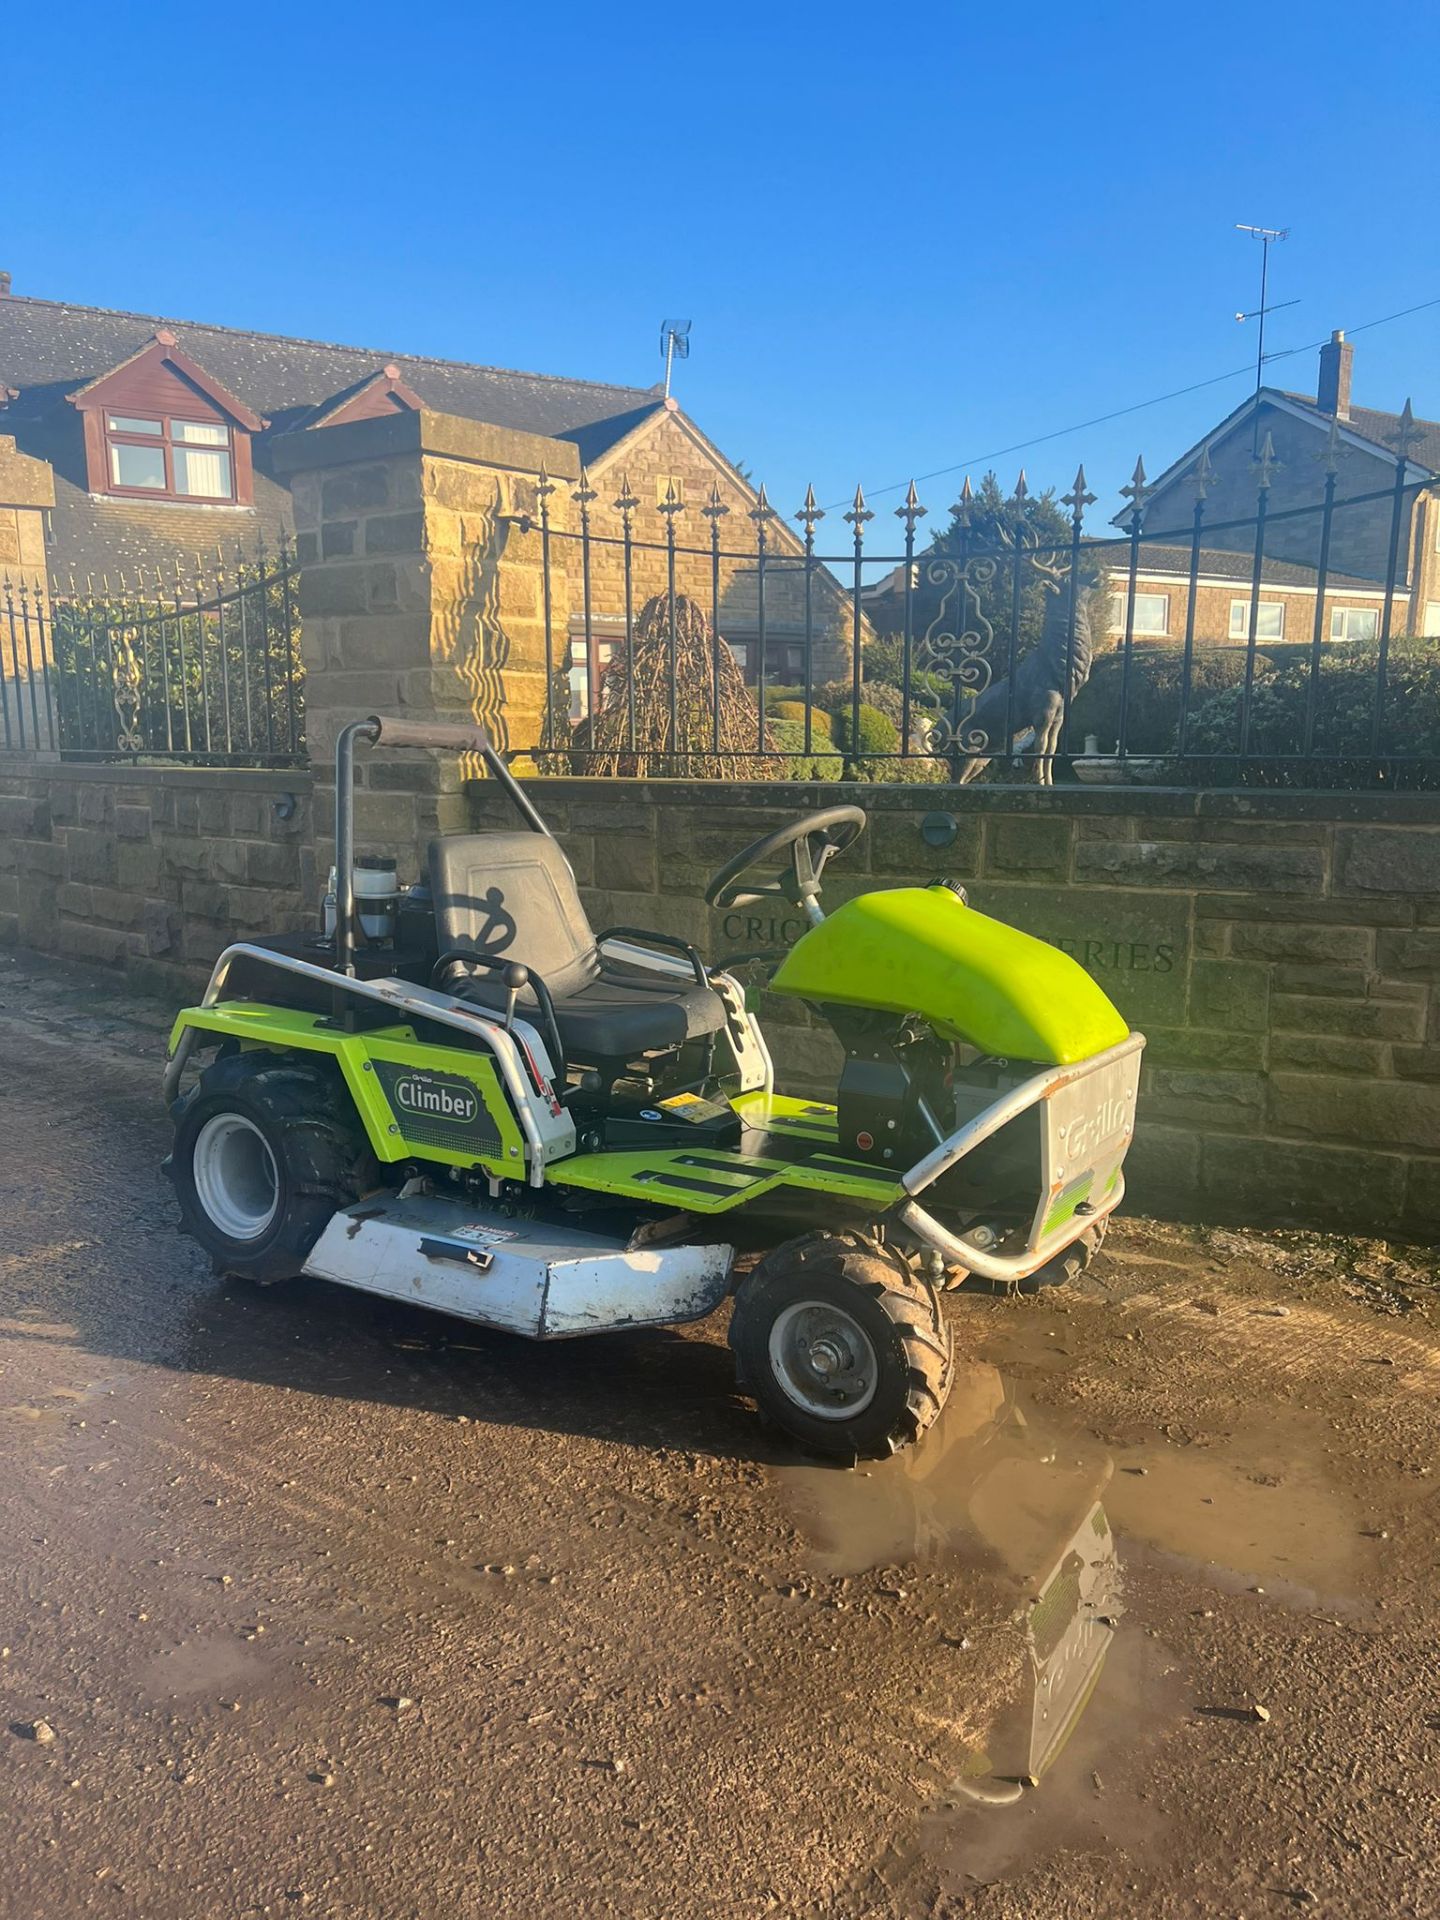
{"x": 1344, "y": 713}
{"x": 776, "y": 696}
{"x": 1157, "y": 677}
{"x": 820, "y": 728}
{"x": 837, "y": 696}
{"x": 821, "y": 763}
{"x": 877, "y": 732}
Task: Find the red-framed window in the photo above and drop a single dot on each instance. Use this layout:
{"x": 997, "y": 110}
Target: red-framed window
{"x": 165, "y": 457}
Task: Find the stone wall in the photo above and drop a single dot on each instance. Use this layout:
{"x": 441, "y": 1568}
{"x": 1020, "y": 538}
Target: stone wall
{"x": 1280, "y": 951}
{"x": 151, "y": 871}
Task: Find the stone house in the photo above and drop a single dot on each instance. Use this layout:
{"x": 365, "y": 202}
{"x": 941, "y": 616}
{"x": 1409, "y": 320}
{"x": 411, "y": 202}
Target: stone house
{"x": 163, "y": 446}
{"x": 1307, "y": 434}
{"x": 1353, "y": 608}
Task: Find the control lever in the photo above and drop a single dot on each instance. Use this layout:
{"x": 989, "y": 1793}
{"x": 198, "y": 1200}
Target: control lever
{"x": 516, "y": 979}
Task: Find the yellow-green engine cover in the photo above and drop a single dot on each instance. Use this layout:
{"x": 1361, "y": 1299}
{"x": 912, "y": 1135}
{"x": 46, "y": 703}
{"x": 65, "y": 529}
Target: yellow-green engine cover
{"x": 923, "y": 950}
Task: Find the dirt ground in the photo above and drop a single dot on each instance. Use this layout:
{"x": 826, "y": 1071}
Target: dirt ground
{"x": 312, "y": 1602}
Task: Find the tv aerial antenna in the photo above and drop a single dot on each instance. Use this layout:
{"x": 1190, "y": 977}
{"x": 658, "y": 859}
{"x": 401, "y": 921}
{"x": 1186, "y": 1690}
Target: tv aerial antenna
{"x": 1268, "y": 237}
{"x": 674, "y": 345}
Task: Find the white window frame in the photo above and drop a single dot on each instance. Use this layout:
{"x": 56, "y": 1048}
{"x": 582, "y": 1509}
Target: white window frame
{"x": 1117, "y": 613}
{"x": 1340, "y": 623}
{"x": 1149, "y": 633}
{"x": 1240, "y": 619}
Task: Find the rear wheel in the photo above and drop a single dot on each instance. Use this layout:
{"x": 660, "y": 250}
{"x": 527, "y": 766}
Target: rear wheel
{"x": 266, "y": 1148}
{"x": 843, "y": 1344}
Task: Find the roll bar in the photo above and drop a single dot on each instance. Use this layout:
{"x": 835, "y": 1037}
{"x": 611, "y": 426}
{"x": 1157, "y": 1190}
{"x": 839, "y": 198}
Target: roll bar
{"x": 467, "y": 736}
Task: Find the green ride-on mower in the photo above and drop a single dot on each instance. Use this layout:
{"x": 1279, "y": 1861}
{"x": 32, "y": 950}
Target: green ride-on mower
{"x": 460, "y": 1095}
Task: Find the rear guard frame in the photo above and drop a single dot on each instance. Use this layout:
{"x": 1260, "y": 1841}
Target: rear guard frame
{"x": 1087, "y": 1124}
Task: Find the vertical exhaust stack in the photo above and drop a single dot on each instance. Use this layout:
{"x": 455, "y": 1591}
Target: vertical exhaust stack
{"x": 1337, "y": 362}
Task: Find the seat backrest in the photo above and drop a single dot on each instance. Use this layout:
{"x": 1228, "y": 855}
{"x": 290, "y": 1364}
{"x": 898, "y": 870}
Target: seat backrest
{"x": 512, "y": 896}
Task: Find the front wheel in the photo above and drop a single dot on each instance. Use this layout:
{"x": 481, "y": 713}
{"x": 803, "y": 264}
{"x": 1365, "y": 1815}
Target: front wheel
{"x": 266, "y": 1148}
{"x": 843, "y": 1345}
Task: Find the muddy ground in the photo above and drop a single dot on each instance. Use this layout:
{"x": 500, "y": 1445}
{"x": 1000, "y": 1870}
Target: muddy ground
{"x": 330, "y": 1605}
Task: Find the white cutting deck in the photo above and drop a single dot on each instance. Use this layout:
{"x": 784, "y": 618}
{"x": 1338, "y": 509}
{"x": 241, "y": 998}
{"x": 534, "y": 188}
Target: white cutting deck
{"x": 525, "y": 1276}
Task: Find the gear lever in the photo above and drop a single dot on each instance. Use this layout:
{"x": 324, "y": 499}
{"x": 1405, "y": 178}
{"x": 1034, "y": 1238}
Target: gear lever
{"x": 516, "y": 978}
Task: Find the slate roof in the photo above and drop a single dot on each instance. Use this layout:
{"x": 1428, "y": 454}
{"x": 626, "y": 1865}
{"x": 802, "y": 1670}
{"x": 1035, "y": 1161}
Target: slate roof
{"x": 49, "y": 349}
{"x": 1379, "y": 426}
{"x": 52, "y": 345}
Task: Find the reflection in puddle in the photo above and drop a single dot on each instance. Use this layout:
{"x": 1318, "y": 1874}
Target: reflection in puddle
{"x": 1011, "y": 1514}
{"x": 1017, "y": 1504}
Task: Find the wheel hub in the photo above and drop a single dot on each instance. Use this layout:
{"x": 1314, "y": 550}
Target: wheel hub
{"x": 235, "y": 1177}
{"x": 826, "y": 1357}
{"x": 823, "y": 1360}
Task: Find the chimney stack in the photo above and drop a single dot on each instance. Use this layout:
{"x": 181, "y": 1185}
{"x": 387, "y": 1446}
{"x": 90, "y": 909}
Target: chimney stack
{"x": 4, "y": 284}
{"x": 1337, "y": 360}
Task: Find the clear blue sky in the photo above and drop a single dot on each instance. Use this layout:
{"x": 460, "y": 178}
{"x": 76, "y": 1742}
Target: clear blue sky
{"x": 906, "y": 236}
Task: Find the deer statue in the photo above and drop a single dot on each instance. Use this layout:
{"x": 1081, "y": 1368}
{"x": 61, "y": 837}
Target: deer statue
{"x": 1042, "y": 696}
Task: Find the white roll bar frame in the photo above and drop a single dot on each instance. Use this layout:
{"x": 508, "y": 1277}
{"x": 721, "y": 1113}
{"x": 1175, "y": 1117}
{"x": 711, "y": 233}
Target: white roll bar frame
{"x": 421, "y": 1002}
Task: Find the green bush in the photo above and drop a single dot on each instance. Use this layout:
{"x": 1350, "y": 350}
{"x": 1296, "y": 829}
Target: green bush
{"x": 877, "y": 732}
{"x": 778, "y": 696}
{"x": 820, "y": 728}
{"x": 821, "y": 763}
{"x": 1344, "y": 713}
{"x": 838, "y": 696}
{"x": 1152, "y": 720}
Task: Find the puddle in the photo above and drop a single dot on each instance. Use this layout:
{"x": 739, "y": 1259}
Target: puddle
{"x": 1013, "y": 1506}
{"x": 1246, "y": 1515}
{"x": 1025, "y": 1522}
{"x": 1080, "y": 1807}
{"x": 990, "y": 1484}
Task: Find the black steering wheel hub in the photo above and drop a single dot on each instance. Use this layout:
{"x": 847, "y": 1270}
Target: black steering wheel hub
{"x": 812, "y": 842}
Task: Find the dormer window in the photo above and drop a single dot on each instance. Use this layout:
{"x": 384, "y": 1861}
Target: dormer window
{"x": 184, "y": 459}
{"x": 159, "y": 427}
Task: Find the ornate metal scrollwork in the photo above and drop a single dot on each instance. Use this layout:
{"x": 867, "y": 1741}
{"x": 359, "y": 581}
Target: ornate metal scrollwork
{"x": 958, "y": 646}
{"x": 956, "y": 649}
{"x": 128, "y": 690}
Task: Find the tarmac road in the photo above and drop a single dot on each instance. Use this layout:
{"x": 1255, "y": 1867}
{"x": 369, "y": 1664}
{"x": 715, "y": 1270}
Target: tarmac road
{"x": 333, "y": 1606}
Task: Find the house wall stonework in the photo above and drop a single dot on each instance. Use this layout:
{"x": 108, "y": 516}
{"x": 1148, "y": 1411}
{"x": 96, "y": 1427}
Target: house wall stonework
{"x": 662, "y": 449}
{"x": 1213, "y": 601}
{"x": 27, "y": 490}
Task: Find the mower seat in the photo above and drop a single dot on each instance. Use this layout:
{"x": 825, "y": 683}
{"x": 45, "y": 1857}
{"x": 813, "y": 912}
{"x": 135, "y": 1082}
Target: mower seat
{"x": 513, "y": 896}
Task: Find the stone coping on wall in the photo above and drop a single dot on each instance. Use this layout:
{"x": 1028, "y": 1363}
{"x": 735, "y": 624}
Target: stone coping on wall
{"x": 444, "y": 435}
{"x": 296, "y": 780}
{"x": 1212, "y": 803}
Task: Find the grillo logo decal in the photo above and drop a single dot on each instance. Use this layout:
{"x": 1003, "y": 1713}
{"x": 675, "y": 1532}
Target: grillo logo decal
{"x": 435, "y": 1096}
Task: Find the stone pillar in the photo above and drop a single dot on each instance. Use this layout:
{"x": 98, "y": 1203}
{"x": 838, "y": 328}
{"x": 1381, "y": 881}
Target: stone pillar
{"x": 27, "y": 492}
{"x": 421, "y": 597}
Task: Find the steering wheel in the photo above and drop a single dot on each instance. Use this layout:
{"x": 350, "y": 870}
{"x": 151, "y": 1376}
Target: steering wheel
{"x": 813, "y": 841}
